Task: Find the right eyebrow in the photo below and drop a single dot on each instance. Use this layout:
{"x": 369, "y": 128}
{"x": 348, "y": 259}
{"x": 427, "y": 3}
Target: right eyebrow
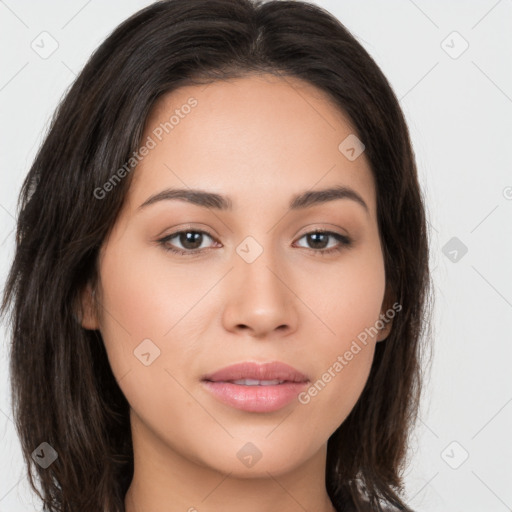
{"x": 197, "y": 197}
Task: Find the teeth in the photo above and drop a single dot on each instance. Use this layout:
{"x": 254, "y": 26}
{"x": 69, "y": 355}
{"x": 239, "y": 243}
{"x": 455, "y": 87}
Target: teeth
{"x": 252, "y": 382}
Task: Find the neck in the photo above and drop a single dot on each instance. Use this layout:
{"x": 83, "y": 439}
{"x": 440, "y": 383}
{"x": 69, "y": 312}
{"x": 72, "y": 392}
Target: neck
{"x": 168, "y": 481}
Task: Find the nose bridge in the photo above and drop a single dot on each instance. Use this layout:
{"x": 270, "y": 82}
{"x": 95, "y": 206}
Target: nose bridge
{"x": 258, "y": 298}
{"x": 257, "y": 262}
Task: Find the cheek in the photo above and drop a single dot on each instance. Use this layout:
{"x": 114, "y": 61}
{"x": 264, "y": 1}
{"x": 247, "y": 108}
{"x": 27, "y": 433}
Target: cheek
{"x": 143, "y": 324}
{"x": 144, "y": 297}
{"x": 347, "y": 299}
{"x": 349, "y": 304}
{"x": 148, "y": 319}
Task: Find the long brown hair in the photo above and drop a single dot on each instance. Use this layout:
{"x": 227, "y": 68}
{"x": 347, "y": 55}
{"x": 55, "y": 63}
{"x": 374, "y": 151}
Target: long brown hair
{"x": 63, "y": 390}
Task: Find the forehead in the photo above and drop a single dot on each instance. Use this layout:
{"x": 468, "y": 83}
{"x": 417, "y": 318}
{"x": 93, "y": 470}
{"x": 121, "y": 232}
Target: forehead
{"x": 247, "y": 137}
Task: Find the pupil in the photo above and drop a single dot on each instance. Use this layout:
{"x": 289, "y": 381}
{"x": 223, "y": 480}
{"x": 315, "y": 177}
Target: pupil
{"x": 315, "y": 236}
{"x": 188, "y": 238}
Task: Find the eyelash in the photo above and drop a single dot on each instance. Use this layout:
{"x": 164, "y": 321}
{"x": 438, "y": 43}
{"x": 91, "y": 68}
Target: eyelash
{"x": 344, "y": 242}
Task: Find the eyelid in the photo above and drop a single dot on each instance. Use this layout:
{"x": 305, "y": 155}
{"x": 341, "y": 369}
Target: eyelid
{"x": 321, "y": 227}
{"x": 196, "y": 227}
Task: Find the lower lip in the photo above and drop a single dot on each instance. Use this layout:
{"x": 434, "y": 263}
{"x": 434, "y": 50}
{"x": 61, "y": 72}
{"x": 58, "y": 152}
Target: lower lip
{"x": 255, "y": 398}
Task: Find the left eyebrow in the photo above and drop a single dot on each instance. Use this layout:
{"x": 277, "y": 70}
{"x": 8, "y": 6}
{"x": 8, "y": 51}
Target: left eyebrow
{"x": 300, "y": 201}
{"x": 313, "y": 197}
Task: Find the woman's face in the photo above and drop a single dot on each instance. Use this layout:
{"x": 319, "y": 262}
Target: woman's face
{"x": 256, "y": 283}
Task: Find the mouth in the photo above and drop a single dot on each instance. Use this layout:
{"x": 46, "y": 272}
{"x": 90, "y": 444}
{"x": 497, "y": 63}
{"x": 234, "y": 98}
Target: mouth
{"x": 255, "y": 382}
{"x": 251, "y": 373}
{"x": 254, "y": 387}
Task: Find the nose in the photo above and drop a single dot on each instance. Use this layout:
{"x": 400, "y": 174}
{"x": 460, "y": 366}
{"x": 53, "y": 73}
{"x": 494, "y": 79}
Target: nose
{"x": 259, "y": 298}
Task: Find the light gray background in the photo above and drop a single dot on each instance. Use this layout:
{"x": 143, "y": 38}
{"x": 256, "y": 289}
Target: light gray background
{"x": 459, "y": 110}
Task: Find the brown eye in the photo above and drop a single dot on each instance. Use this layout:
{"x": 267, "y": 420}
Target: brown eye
{"x": 319, "y": 240}
{"x": 190, "y": 240}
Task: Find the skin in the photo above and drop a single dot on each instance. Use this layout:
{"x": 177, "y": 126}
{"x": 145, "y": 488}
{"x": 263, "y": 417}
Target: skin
{"x": 245, "y": 138}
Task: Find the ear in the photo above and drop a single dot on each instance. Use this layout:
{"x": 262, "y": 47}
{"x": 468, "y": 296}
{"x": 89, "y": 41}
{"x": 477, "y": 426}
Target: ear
{"x": 88, "y": 316}
{"x": 384, "y": 318}
{"x": 386, "y": 330}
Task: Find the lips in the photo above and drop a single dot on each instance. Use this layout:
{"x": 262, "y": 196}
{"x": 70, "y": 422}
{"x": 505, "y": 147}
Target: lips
{"x": 254, "y": 387}
{"x": 275, "y": 371}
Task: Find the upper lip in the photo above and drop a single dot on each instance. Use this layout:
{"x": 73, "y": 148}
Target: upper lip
{"x": 257, "y": 371}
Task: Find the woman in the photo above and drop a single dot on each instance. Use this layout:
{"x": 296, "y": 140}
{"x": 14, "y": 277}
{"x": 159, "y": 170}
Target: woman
{"x": 221, "y": 272}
